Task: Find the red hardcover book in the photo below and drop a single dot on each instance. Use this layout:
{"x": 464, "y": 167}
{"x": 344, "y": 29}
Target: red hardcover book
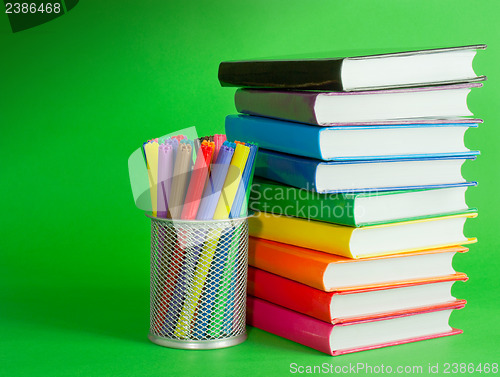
{"x": 354, "y": 304}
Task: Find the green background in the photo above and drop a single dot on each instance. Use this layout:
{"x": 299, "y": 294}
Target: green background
{"x": 80, "y": 93}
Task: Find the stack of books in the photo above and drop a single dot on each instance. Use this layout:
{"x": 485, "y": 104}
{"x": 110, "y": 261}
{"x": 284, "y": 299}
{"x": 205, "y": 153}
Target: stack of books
{"x": 359, "y": 194}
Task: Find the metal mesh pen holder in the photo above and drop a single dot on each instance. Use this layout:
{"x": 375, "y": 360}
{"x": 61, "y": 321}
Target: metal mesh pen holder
{"x": 198, "y": 282}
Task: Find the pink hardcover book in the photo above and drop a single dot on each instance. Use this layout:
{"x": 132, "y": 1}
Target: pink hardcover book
{"x": 350, "y": 337}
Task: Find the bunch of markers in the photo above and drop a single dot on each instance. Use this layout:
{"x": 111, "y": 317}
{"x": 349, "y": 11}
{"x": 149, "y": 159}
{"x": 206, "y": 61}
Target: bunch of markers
{"x": 203, "y": 179}
{"x": 198, "y": 272}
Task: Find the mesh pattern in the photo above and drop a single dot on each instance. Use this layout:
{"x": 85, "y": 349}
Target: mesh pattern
{"x": 198, "y": 279}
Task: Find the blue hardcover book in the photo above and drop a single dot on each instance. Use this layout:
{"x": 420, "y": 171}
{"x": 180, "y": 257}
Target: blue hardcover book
{"x": 377, "y": 174}
{"x": 415, "y": 138}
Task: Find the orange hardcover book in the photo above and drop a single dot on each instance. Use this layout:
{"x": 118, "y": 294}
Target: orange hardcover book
{"x": 328, "y": 272}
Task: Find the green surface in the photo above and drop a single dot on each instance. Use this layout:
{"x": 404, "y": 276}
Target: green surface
{"x": 81, "y": 92}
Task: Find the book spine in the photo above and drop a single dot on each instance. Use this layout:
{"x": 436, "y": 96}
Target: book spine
{"x": 323, "y": 74}
{"x": 294, "y": 171}
{"x": 280, "y": 260}
{"x": 294, "y": 106}
{"x": 290, "y": 294}
{"x": 277, "y": 135}
{"x": 290, "y": 201}
{"x": 288, "y": 324}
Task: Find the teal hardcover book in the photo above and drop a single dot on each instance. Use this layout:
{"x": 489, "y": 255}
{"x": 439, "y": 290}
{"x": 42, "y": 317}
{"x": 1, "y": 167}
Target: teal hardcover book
{"x": 416, "y": 138}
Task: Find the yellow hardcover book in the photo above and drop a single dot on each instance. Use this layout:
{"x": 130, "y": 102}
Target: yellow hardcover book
{"x": 371, "y": 241}
{"x": 232, "y": 182}
{"x": 151, "y": 150}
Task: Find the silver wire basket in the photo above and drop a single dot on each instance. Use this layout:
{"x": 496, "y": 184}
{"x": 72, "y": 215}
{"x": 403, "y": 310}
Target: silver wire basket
{"x": 198, "y": 282}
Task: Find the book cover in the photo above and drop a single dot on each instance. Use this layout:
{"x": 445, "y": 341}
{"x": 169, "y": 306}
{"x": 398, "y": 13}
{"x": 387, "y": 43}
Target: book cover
{"x": 330, "y": 108}
{"x": 317, "y": 334}
{"x": 339, "y": 143}
{"x": 342, "y": 208}
{"x": 311, "y": 267}
{"x": 376, "y": 240}
{"x": 327, "y": 74}
{"x": 317, "y": 303}
{"x": 302, "y": 172}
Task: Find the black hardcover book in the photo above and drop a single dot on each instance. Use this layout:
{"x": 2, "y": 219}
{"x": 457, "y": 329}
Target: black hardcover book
{"x": 402, "y": 69}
